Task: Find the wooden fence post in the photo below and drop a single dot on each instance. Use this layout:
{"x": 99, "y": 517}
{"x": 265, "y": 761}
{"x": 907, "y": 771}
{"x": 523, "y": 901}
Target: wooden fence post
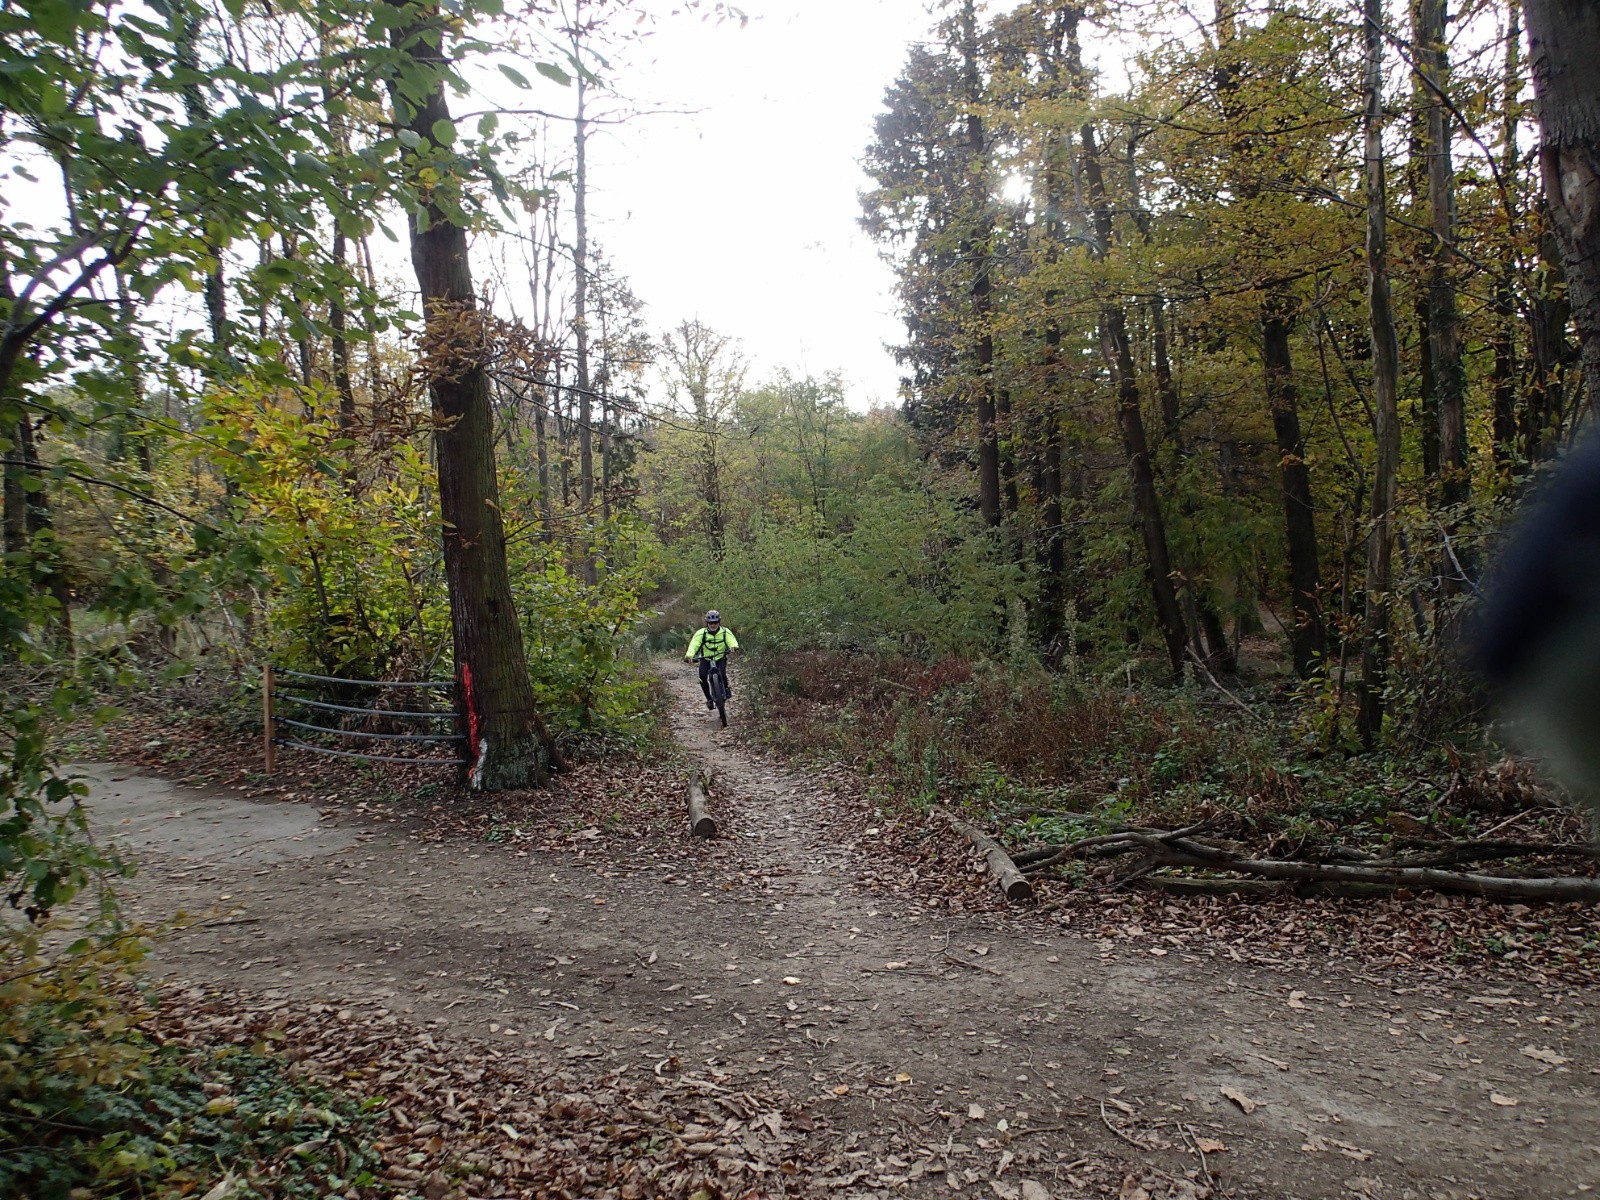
{"x": 268, "y": 732}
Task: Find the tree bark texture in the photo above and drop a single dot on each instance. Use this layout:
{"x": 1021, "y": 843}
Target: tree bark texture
{"x": 1375, "y": 652}
{"x": 701, "y": 823}
{"x": 1564, "y": 60}
{"x": 509, "y": 745}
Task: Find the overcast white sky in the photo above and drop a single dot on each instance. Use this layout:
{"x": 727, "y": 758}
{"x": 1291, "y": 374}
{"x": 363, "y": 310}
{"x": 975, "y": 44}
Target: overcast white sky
{"x": 744, "y": 213}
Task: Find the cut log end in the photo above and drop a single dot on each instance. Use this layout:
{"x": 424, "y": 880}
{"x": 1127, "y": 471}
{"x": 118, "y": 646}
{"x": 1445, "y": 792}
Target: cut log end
{"x": 700, "y": 821}
{"x": 1011, "y": 881}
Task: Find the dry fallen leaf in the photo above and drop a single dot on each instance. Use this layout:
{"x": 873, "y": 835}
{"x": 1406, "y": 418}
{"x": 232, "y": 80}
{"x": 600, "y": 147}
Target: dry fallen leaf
{"x": 1239, "y": 1098}
{"x": 1295, "y": 999}
{"x": 975, "y": 1111}
{"x": 1544, "y": 1055}
{"x": 1209, "y": 1145}
{"x": 1503, "y": 1100}
{"x": 1032, "y": 1189}
{"x": 791, "y": 980}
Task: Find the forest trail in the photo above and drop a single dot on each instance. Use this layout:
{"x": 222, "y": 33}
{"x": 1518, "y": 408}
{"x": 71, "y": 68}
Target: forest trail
{"x": 947, "y": 1053}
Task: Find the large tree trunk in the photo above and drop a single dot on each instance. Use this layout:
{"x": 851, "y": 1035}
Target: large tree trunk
{"x": 977, "y": 250}
{"x": 1564, "y": 43}
{"x": 1307, "y": 634}
{"x": 1385, "y": 374}
{"x": 510, "y": 746}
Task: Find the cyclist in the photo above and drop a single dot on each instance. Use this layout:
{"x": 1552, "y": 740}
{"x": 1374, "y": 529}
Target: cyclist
{"x": 711, "y": 646}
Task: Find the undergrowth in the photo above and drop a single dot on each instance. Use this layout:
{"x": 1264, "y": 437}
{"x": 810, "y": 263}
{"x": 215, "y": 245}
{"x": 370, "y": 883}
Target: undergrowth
{"x": 1050, "y": 757}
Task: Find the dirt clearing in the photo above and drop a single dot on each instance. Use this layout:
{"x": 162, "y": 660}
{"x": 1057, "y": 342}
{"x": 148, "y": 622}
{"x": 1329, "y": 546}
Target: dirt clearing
{"x": 931, "y": 1052}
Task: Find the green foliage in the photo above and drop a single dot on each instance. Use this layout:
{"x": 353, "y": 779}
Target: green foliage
{"x": 576, "y": 635}
{"x": 908, "y": 576}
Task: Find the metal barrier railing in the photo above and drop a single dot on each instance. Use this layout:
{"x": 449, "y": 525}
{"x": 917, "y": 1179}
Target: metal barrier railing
{"x": 272, "y": 695}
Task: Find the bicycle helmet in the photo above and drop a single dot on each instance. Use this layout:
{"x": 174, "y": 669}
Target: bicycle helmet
{"x": 713, "y": 617}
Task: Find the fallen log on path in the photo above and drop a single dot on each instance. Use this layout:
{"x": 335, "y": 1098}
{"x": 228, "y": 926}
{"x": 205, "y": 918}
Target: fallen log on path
{"x": 700, "y": 822}
{"x": 1005, "y": 872}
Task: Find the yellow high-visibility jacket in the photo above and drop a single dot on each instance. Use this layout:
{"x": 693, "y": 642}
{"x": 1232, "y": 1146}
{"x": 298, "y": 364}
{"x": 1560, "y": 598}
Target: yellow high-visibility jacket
{"x": 714, "y": 646}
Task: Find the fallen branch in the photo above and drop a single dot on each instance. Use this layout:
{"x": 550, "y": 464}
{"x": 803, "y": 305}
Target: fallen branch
{"x": 1447, "y": 854}
{"x": 700, "y": 822}
{"x": 1001, "y": 867}
{"x": 1164, "y": 853}
{"x": 1108, "y": 845}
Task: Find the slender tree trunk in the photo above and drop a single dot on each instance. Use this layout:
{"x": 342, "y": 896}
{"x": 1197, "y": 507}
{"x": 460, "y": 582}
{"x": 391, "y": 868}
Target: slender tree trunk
{"x": 214, "y": 288}
{"x": 542, "y": 450}
{"x": 1057, "y": 155}
{"x": 1444, "y": 327}
{"x": 340, "y": 344}
{"x": 509, "y": 744}
{"x": 1564, "y": 45}
{"x": 1117, "y": 350}
{"x": 1307, "y": 632}
{"x": 16, "y": 496}
{"x": 1550, "y": 311}
{"x": 296, "y": 311}
{"x": 976, "y": 251}
{"x": 1375, "y": 654}
{"x": 581, "y": 301}
{"x": 46, "y": 552}
{"x": 337, "y": 316}
{"x": 1504, "y": 338}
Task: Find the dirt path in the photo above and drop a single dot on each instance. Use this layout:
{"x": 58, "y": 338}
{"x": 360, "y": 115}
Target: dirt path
{"x": 949, "y": 1053}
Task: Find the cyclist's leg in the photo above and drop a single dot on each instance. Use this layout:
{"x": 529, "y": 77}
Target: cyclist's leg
{"x": 727, "y": 687}
{"x": 705, "y": 675}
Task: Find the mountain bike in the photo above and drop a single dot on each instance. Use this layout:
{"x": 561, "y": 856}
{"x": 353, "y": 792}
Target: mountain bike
{"x": 717, "y": 683}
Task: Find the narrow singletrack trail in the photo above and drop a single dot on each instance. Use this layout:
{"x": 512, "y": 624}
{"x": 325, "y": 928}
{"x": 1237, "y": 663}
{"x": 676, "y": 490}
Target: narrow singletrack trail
{"x": 948, "y": 1052}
